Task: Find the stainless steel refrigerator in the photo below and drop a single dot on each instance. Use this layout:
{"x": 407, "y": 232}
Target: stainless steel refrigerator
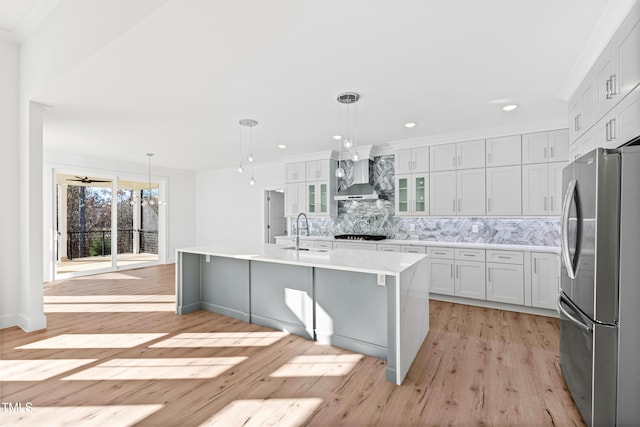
{"x": 599, "y": 302}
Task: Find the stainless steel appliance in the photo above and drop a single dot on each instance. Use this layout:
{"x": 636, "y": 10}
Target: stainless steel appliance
{"x": 600, "y": 297}
{"x": 375, "y": 237}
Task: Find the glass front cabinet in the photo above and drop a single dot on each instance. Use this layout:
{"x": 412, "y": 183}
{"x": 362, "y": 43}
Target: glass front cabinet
{"x": 411, "y": 194}
{"x": 320, "y": 199}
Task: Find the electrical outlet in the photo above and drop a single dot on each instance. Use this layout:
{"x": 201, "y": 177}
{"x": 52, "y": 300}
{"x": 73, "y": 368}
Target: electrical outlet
{"x": 381, "y": 280}
{"x": 207, "y": 258}
{"x": 412, "y": 227}
{"x": 474, "y": 228}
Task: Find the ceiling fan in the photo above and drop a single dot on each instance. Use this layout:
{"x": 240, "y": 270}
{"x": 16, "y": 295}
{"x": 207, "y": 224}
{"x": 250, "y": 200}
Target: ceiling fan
{"x": 87, "y": 180}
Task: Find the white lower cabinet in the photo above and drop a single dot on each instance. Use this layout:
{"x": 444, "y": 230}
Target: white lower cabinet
{"x": 389, "y": 248}
{"x": 414, "y": 249}
{"x": 441, "y": 279}
{"x": 469, "y": 280}
{"x": 545, "y": 268}
{"x": 505, "y": 276}
{"x": 355, "y": 245}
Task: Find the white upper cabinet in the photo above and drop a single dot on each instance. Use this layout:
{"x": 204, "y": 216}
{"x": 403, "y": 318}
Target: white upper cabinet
{"x": 461, "y": 155}
{"x": 534, "y": 147}
{"x": 442, "y": 193}
{"x": 442, "y": 157}
{"x": 626, "y": 45}
{"x": 504, "y": 189}
{"x": 470, "y": 191}
{"x": 317, "y": 170}
{"x": 542, "y": 188}
{"x": 412, "y": 160}
{"x": 294, "y": 198}
{"x": 541, "y": 147}
{"x": 470, "y": 154}
{"x": 504, "y": 151}
{"x": 615, "y": 74}
{"x": 295, "y": 172}
{"x": 558, "y": 146}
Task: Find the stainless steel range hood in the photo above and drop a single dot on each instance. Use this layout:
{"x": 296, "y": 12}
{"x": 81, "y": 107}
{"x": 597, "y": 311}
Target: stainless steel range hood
{"x": 361, "y": 189}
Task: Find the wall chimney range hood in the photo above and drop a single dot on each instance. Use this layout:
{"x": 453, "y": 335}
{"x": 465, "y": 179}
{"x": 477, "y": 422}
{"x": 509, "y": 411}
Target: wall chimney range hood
{"x": 361, "y": 189}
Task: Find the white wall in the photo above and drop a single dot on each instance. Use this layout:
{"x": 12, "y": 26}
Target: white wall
{"x": 180, "y": 196}
{"x": 228, "y": 209}
{"x": 9, "y": 212}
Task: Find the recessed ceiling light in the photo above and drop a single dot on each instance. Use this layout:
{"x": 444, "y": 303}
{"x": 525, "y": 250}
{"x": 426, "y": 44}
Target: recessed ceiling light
{"x": 337, "y": 137}
{"x": 410, "y": 125}
{"x": 510, "y": 107}
{"x": 282, "y": 146}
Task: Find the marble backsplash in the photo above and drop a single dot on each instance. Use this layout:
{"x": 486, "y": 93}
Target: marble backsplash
{"x": 377, "y": 217}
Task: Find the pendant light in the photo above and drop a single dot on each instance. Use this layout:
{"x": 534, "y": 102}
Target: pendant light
{"x": 250, "y": 123}
{"x": 149, "y": 201}
{"x": 349, "y": 99}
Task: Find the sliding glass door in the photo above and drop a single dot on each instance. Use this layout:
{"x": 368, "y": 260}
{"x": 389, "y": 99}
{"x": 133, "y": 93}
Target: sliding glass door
{"x": 103, "y": 224}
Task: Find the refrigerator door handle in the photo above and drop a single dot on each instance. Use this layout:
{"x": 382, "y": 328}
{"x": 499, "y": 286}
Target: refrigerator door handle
{"x": 578, "y": 323}
{"x": 566, "y": 256}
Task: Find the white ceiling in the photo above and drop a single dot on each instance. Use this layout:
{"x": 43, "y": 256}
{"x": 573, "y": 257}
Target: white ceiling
{"x": 177, "y": 82}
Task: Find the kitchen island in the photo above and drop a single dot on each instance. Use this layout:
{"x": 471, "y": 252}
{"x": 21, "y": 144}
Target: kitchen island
{"x": 368, "y": 302}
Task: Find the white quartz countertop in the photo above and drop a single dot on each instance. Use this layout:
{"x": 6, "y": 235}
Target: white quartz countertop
{"x": 494, "y": 246}
{"x": 338, "y": 259}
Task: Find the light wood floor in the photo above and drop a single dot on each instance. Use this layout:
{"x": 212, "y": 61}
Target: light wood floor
{"x": 114, "y": 353}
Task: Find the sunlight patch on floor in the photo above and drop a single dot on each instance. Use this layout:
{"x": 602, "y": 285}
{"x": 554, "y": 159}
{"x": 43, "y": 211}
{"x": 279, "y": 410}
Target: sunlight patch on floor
{"x": 110, "y": 308}
{"x": 222, "y": 339}
{"x": 74, "y": 299}
{"x": 85, "y": 416}
{"x": 38, "y": 370}
{"x": 330, "y": 365}
{"x": 66, "y": 341}
{"x": 261, "y": 412}
{"x": 158, "y": 369}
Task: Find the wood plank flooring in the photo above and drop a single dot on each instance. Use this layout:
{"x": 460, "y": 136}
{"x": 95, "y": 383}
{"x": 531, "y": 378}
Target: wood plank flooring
{"x": 114, "y": 353}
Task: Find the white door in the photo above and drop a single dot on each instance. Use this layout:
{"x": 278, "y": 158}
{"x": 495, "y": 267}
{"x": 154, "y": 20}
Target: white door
{"x": 470, "y": 154}
{"x": 559, "y": 145}
{"x": 504, "y": 190}
{"x": 441, "y": 276}
{"x": 469, "y": 279}
{"x": 534, "y": 147}
{"x": 420, "y": 162}
{"x": 442, "y": 157}
{"x": 544, "y": 280}
{"x": 535, "y": 182}
{"x": 442, "y": 193}
{"x": 505, "y": 283}
{"x": 403, "y": 161}
{"x": 504, "y": 151}
{"x": 555, "y": 188}
{"x": 471, "y": 192}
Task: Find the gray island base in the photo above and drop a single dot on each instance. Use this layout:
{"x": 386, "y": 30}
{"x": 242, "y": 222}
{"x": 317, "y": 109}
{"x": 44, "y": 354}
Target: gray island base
{"x": 374, "y": 303}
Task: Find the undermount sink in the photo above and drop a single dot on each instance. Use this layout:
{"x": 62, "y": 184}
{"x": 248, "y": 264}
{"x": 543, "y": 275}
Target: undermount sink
{"x": 293, "y": 248}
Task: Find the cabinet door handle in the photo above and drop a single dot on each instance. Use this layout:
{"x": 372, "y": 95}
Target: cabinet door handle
{"x": 457, "y": 271}
{"x": 459, "y": 205}
{"x": 551, "y": 203}
{"x": 579, "y": 121}
{"x": 454, "y": 205}
{"x": 607, "y": 89}
{"x": 535, "y": 265}
{"x": 545, "y": 203}
{"x": 551, "y": 154}
{"x": 612, "y": 129}
{"x": 489, "y": 272}
{"x": 460, "y": 160}
{"x": 544, "y": 153}
{"x": 452, "y": 271}
{"x": 489, "y": 204}
{"x": 409, "y": 165}
{"x": 414, "y": 165}
{"x": 612, "y": 86}
{"x": 606, "y": 131}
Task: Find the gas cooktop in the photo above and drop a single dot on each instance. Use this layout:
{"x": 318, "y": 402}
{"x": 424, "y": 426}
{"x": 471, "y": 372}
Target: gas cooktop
{"x": 359, "y": 237}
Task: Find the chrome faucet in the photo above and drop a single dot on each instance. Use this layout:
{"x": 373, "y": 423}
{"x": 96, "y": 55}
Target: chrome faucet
{"x": 306, "y": 220}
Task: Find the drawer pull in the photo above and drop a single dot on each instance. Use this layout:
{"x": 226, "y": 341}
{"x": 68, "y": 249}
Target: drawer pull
{"x": 468, "y": 254}
{"x": 504, "y": 257}
{"x": 440, "y": 253}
